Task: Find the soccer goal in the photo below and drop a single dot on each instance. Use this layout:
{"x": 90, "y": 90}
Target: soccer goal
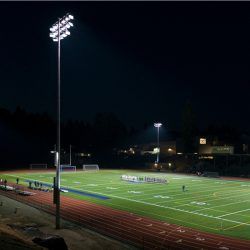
{"x": 90, "y": 167}
{"x": 67, "y": 167}
{"x": 38, "y": 166}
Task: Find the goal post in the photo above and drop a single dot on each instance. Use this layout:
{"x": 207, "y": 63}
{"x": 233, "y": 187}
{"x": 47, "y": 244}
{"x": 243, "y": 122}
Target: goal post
{"x": 67, "y": 167}
{"x": 38, "y": 166}
{"x": 90, "y": 167}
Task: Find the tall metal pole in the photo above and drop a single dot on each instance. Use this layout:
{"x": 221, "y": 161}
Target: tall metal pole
{"x": 59, "y": 30}
{"x": 158, "y": 145}
{"x": 58, "y": 131}
{"x": 70, "y": 154}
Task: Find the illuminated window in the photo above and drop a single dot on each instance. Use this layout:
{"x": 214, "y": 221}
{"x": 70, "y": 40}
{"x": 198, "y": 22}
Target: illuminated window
{"x": 203, "y": 141}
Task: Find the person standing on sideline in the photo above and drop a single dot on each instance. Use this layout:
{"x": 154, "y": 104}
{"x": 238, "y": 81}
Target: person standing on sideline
{"x": 183, "y": 188}
{"x": 5, "y": 184}
{"x": 17, "y": 180}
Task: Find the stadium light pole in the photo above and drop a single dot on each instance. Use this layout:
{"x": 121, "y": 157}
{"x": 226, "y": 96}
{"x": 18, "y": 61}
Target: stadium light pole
{"x": 158, "y": 125}
{"x": 70, "y": 154}
{"x": 59, "y": 31}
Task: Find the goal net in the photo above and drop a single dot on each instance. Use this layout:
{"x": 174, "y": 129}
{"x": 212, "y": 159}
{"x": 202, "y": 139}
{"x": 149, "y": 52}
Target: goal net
{"x": 90, "y": 167}
{"x": 67, "y": 168}
{"x": 38, "y": 166}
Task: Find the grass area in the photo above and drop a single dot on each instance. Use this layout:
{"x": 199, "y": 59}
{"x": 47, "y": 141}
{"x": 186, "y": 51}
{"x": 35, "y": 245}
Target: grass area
{"x": 212, "y": 205}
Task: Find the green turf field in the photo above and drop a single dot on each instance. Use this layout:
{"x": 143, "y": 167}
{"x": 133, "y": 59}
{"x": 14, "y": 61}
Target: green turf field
{"x": 208, "y": 204}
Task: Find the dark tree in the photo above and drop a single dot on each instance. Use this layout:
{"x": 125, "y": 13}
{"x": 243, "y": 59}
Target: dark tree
{"x": 188, "y": 129}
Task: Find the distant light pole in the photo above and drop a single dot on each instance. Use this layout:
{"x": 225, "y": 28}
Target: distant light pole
{"x": 58, "y": 31}
{"x": 70, "y": 154}
{"x": 158, "y": 125}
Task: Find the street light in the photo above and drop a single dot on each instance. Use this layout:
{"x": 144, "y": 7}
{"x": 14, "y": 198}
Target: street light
{"x": 158, "y": 125}
{"x": 59, "y": 31}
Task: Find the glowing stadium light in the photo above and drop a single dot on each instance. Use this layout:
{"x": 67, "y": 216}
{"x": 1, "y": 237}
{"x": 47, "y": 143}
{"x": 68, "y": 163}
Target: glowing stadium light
{"x": 59, "y": 30}
{"x": 158, "y": 125}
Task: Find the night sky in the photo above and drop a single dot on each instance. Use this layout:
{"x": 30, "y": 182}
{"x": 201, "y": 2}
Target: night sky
{"x": 143, "y": 61}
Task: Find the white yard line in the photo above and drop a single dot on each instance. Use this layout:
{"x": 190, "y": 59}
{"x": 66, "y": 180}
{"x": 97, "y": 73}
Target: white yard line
{"x": 234, "y": 212}
{"x": 224, "y": 205}
{"x": 212, "y": 200}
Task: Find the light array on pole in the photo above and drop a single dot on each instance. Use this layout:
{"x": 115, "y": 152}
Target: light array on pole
{"x": 63, "y": 24}
{"x": 157, "y": 124}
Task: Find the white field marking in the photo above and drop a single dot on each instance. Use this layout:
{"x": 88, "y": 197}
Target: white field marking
{"x": 111, "y": 188}
{"x": 225, "y": 229}
{"x": 224, "y": 205}
{"x": 211, "y": 209}
{"x": 211, "y": 200}
{"x": 77, "y": 182}
{"x": 181, "y": 194}
{"x": 199, "y": 203}
{"x": 197, "y": 180}
{"x": 215, "y": 210}
{"x": 134, "y": 192}
{"x": 162, "y": 197}
{"x": 153, "y": 191}
{"x": 234, "y": 213}
{"x": 93, "y": 185}
{"x": 245, "y": 185}
{"x": 177, "y": 178}
{"x": 170, "y": 208}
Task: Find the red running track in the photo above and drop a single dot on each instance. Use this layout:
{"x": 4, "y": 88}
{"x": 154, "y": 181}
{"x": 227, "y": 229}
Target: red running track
{"x": 130, "y": 228}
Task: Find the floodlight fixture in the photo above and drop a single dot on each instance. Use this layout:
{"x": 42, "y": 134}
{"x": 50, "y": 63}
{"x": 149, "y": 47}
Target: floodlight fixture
{"x": 61, "y": 27}
{"x": 157, "y": 124}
